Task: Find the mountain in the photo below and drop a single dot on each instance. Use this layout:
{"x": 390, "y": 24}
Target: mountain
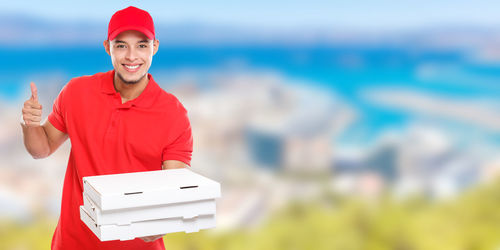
{"x": 18, "y": 30}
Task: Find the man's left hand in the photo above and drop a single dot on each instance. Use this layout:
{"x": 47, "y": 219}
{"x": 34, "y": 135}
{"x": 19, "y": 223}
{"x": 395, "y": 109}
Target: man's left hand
{"x": 152, "y": 238}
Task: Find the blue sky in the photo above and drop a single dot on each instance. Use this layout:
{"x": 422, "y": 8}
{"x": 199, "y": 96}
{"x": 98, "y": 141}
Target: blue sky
{"x": 365, "y": 14}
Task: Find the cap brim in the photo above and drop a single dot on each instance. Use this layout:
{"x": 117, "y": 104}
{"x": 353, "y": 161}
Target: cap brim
{"x": 143, "y": 30}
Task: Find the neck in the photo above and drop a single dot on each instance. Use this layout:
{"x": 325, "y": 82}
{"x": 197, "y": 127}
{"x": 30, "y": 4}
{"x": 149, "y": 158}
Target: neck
{"x": 129, "y": 91}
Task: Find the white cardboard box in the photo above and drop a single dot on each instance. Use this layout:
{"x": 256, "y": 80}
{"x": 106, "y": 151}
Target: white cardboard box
{"x": 149, "y": 188}
{"x": 184, "y": 210}
{"x": 126, "y": 206}
{"x": 147, "y": 228}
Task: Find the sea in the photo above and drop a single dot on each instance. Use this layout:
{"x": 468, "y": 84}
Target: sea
{"x": 345, "y": 71}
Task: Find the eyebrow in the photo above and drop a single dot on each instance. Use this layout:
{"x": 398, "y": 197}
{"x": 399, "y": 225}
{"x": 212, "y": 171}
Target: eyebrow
{"x": 142, "y": 41}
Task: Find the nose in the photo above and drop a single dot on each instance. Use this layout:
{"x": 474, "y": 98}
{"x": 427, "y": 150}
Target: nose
{"x": 131, "y": 54}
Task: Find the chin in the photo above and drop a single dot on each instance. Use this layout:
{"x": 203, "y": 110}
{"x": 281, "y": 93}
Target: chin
{"x": 130, "y": 80}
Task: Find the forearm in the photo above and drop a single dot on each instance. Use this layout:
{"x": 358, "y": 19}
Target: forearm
{"x": 36, "y": 141}
{"x": 173, "y": 164}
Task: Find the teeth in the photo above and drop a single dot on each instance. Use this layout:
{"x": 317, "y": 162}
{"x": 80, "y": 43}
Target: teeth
{"x": 132, "y": 67}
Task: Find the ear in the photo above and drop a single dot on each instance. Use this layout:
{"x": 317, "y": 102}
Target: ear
{"x": 156, "y": 44}
{"x": 106, "y": 46}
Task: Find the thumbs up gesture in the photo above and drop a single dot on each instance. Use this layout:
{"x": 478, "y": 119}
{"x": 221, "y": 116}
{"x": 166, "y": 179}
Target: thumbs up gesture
{"x": 32, "y": 110}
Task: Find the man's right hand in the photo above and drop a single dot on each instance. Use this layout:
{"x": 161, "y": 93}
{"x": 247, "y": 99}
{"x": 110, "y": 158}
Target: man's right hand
{"x": 40, "y": 140}
{"x": 32, "y": 110}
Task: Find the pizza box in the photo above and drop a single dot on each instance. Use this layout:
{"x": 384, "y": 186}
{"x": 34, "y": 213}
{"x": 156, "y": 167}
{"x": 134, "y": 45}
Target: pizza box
{"x": 125, "y": 216}
{"x": 151, "y": 188}
{"x": 147, "y": 228}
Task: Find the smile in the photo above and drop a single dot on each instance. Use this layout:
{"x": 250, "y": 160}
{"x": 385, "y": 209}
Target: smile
{"x": 131, "y": 68}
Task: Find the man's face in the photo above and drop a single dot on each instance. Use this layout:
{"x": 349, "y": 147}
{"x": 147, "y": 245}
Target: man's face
{"x": 131, "y": 55}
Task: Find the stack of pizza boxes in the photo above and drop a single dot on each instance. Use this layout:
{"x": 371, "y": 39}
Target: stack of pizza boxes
{"x": 131, "y": 205}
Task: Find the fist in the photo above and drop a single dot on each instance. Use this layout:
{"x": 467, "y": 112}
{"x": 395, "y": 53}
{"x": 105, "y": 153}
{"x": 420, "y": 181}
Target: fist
{"x": 32, "y": 110}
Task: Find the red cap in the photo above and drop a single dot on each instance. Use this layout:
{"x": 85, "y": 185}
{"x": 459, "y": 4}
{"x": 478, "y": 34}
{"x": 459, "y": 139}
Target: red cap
{"x": 131, "y": 18}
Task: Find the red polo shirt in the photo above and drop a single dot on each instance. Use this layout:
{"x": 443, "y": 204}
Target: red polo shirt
{"x": 109, "y": 137}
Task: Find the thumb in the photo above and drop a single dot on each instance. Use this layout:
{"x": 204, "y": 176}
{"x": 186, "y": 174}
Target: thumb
{"x": 34, "y": 92}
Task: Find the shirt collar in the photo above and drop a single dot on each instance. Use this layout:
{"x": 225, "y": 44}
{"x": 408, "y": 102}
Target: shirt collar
{"x": 145, "y": 99}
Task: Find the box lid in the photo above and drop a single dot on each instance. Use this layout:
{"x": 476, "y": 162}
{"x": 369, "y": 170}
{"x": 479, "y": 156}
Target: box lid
{"x": 149, "y": 188}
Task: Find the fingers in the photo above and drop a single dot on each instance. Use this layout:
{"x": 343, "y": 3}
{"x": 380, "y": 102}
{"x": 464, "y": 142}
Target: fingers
{"x": 32, "y": 121}
{"x": 152, "y": 238}
{"x": 30, "y": 104}
{"x": 34, "y": 92}
{"x": 32, "y": 118}
{"x": 146, "y": 239}
{"x": 32, "y": 110}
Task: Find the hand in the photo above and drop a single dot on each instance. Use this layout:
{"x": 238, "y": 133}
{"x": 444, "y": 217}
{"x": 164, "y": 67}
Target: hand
{"x": 152, "y": 238}
{"x": 32, "y": 110}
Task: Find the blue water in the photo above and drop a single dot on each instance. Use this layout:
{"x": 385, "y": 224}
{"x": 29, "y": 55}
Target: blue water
{"x": 343, "y": 70}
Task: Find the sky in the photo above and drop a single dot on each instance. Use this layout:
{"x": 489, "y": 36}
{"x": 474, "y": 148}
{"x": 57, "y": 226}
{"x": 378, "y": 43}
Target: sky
{"x": 288, "y": 14}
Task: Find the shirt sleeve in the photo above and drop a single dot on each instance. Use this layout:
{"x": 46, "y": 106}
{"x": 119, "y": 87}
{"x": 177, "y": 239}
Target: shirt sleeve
{"x": 57, "y": 117}
{"x": 180, "y": 146}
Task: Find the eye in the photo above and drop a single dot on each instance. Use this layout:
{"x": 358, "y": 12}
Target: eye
{"x": 142, "y": 46}
{"x": 120, "y": 46}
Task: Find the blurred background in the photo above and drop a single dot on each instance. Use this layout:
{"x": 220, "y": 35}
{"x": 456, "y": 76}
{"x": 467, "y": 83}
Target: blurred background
{"x": 329, "y": 124}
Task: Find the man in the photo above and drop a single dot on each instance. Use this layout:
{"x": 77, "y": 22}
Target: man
{"x": 118, "y": 121}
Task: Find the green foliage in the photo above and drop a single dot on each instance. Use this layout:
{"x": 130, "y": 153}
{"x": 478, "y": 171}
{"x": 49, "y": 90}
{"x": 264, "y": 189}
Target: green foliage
{"x": 471, "y": 222}
{"x": 33, "y": 236}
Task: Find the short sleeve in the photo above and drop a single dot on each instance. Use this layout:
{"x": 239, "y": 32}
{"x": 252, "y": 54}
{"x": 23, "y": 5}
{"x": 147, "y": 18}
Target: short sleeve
{"x": 57, "y": 117}
{"x": 180, "y": 142}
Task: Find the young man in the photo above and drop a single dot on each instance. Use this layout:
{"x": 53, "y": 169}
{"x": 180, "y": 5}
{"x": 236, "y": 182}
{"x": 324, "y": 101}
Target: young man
{"x": 118, "y": 121}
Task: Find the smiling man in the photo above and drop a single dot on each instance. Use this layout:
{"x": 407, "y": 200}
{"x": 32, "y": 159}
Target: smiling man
{"x": 118, "y": 121}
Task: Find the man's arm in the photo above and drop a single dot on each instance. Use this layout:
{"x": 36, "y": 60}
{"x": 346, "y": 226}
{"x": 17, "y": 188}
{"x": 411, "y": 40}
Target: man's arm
{"x": 40, "y": 141}
{"x": 171, "y": 164}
